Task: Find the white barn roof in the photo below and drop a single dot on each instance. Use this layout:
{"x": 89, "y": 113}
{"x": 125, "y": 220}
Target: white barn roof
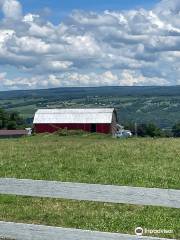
{"x": 100, "y": 115}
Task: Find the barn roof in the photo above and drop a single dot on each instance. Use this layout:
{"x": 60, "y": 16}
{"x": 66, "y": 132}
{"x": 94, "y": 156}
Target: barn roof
{"x": 93, "y": 115}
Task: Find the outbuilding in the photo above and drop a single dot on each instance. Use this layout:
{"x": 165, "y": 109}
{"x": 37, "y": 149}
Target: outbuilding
{"x": 14, "y": 133}
{"x": 100, "y": 120}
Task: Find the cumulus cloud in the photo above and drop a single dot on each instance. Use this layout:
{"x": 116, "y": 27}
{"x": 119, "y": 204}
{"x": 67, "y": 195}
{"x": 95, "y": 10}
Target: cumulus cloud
{"x": 11, "y": 9}
{"x": 74, "y": 79}
{"x": 167, "y": 7}
{"x": 133, "y": 47}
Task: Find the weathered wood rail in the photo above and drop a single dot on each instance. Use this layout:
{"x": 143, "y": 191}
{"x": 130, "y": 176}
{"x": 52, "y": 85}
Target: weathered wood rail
{"x": 21, "y": 231}
{"x": 91, "y": 192}
{"x": 80, "y": 191}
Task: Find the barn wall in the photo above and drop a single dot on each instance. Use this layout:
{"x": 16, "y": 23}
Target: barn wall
{"x": 100, "y": 128}
{"x": 103, "y": 128}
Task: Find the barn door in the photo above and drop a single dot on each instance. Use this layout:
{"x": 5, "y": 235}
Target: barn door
{"x": 93, "y": 128}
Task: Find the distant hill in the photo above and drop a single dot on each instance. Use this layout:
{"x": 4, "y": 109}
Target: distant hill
{"x": 91, "y": 91}
{"x": 160, "y": 105}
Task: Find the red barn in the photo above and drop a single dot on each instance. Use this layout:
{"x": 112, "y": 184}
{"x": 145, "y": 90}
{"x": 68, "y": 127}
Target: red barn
{"x": 102, "y": 120}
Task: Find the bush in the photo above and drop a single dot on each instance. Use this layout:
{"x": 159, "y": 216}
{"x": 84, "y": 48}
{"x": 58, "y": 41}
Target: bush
{"x": 153, "y": 131}
{"x": 176, "y": 130}
{"x": 66, "y": 132}
{"x": 145, "y": 130}
{"x": 150, "y": 130}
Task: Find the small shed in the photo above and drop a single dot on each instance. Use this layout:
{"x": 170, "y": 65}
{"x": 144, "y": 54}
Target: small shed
{"x": 13, "y": 133}
{"x": 100, "y": 120}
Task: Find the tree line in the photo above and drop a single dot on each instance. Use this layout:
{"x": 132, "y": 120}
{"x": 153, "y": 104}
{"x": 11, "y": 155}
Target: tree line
{"x": 11, "y": 120}
{"x": 151, "y": 130}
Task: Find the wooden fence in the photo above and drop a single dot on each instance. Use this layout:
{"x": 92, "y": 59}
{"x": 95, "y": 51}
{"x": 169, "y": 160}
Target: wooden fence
{"x": 80, "y": 191}
{"x": 38, "y": 232}
{"x": 91, "y": 192}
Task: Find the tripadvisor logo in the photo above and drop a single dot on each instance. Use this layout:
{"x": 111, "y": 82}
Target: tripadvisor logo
{"x": 139, "y": 231}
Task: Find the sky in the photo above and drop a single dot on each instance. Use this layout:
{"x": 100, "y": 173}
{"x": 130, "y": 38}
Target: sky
{"x": 62, "y": 9}
{"x": 47, "y": 44}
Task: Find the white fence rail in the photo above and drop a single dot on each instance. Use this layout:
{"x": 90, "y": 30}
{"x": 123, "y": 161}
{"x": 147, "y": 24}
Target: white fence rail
{"x": 38, "y": 232}
{"x": 80, "y": 191}
{"x": 91, "y": 192}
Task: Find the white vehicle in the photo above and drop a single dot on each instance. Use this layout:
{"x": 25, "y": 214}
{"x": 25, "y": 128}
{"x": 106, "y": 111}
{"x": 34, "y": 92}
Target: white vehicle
{"x": 123, "y": 134}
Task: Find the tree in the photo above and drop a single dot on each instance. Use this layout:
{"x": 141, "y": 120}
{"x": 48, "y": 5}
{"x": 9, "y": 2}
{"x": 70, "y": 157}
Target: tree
{"x": 3, "y": 119}
{"x": 149, "y": 129}
{"x": 10, "y": 120}
{"x": 14, "y": 117}
{"x": 141, "y": 130}
{"x": 12, "y": 125}
{"x": 176, "y": 130}
{"x": 153, "y": 131}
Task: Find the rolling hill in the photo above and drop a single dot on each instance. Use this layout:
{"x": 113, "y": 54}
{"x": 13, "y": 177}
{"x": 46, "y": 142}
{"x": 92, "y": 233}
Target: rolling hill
{"x": 134, "y": 104}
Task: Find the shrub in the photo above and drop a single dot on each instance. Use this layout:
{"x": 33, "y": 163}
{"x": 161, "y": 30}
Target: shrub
{"x": 66, "y": 132}
{"x": 176, "y": 130}
{"x": 145, "y": 130}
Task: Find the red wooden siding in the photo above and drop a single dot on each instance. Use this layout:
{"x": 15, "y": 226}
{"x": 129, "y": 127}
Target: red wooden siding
{"x": 100, "y": 128}
{"x": 103, "y": 128}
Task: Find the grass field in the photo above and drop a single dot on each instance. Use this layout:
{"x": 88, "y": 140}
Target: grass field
{"x": 121, "y": 218}
{"x": 91, "y": 159}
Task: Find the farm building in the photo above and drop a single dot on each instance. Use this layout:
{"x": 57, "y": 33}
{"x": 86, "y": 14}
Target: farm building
{"x": 14, "y": 133}
{"x": 103, "y": 120}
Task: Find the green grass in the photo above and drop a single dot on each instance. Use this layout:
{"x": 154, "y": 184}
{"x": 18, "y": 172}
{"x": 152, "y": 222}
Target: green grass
{"x": 89, "y": 215}
{"x": 93, "y": 159}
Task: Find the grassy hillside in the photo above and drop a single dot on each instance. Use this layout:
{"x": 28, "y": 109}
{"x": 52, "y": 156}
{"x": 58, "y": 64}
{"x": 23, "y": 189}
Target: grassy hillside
{"x": 134, "y": 104}
{"x": 91, "y": 159}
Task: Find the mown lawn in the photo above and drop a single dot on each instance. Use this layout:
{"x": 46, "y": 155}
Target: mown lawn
{"x": 121, "y": 218}
{"x": 92, "y": 159}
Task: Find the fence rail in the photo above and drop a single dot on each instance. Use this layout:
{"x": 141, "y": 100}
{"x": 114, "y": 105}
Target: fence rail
{"x": 39, "y": 232}
{"x": 91, "y": 192}
{"x": 80, "y": 191}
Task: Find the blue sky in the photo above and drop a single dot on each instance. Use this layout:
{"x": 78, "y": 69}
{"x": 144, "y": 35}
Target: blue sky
{"x": 50, "y": 43}
{"x": 97, "y": 5}
{"x": 60, "y": 9}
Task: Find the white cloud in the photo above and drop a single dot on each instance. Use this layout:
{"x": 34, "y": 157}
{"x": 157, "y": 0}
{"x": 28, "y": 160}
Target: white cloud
{"x": 2, "y": 76}
{"x": 12, "y": 9}
{"x": 57, "y": 65}
{"x": 29, "y": 18}
{"x": 5, "y": 35}
{"x": 134, "y": 47}
{"x": 167, "y": 7}
{"x": 74, "y": 79}
{"x": 27, "y": 44}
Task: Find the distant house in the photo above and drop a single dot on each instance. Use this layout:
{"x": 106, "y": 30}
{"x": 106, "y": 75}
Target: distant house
{"x": 13, "y": 133}
{"x": 102, "y": 120}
